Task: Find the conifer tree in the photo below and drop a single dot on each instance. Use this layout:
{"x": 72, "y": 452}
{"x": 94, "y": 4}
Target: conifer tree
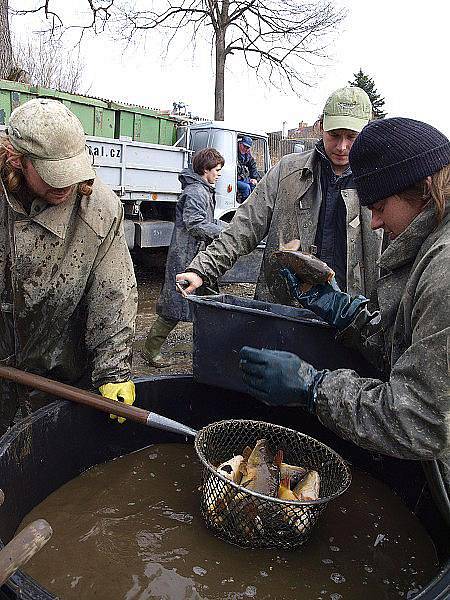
{"x": 367, "y": 84}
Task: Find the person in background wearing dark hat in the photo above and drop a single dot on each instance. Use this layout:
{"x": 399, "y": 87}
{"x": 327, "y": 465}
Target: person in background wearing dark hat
{"x": 310, "y": 197}
{"x": 247, "y": 172}
{"x": 67, "y": 287}
{"x": 402, "y": 173}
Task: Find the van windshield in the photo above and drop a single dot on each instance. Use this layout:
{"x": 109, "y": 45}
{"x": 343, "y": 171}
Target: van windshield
{"x": 215, "y": 138}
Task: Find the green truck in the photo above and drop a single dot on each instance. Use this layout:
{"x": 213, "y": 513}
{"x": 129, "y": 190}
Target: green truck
{"x": 100, "y": 118}
{"x": 139, "y": 153}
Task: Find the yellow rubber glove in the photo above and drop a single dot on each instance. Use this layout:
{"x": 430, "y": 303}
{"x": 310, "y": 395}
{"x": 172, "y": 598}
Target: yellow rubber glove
{"x": 123, "y": 391}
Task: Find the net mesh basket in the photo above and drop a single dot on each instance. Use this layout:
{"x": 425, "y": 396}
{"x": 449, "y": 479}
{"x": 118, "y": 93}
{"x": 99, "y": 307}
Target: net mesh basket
{"x": 253, "y": 520}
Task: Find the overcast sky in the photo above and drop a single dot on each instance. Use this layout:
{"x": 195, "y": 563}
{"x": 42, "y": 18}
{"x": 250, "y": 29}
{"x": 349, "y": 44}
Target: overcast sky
{"x": 402, "y": 45}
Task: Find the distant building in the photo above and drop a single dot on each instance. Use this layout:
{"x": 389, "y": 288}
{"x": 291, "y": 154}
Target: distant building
{"x": 301, "y": 138}
{"x": 304, "y": 131}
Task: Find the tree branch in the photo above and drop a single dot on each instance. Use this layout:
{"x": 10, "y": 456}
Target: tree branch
{"x": 277, "y": 37}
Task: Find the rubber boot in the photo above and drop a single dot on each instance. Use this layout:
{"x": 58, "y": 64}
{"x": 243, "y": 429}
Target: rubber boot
{"x": 155, "y": 339}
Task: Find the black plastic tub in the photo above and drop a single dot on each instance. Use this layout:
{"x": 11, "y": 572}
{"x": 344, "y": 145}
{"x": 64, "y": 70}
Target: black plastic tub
{"x": 62, "y": 440}
{"x": 247, "y": 322}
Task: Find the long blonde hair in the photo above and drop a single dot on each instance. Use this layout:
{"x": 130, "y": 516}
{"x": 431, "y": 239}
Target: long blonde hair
{"x": 13, "y": 178}
{"x": 437, "y": 191}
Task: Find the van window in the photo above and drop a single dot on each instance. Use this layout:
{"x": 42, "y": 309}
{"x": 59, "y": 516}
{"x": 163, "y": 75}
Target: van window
{"x": 258, "y": 153}
{"x": 220, "y": 139}
{"x": 223, "y": 141}
{"x": 200, "y": 139}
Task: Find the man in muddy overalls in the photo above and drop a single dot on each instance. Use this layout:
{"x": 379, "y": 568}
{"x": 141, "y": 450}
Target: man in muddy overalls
{"x": 309, "y": 196}
{"x": 67, "y": 287}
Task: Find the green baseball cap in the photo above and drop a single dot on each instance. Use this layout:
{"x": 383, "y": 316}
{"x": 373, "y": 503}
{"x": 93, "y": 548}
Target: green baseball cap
{"x": 52, "y": 137}
{"x": 347, "y": 108}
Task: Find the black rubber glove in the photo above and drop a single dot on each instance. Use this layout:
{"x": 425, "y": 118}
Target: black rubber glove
{"x": 326, "y": 300}
{"x": 280, "y": 378}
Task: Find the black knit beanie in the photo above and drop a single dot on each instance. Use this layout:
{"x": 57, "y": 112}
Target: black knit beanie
{"x": 391, "y": 155}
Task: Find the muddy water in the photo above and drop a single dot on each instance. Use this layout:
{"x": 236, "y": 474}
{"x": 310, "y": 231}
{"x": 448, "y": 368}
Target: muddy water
{"x": 131, "y": 529}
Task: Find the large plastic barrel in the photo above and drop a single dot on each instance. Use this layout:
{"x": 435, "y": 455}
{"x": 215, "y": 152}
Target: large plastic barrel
{"x": 61, "y": 440}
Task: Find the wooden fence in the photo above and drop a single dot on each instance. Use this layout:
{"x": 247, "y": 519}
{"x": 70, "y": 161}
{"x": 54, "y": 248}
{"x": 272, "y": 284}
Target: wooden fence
{"x": 280, "y": 146}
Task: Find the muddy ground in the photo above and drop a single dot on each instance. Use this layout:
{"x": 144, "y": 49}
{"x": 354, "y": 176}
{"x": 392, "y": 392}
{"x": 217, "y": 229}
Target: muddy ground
{"x": 178, "y": 347}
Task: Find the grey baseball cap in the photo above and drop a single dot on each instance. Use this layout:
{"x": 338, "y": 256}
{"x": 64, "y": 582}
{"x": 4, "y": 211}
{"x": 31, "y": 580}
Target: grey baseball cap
{"x": 52, "y": 137}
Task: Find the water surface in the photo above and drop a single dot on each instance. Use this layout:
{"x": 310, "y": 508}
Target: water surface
{"x": 131, "y": 530}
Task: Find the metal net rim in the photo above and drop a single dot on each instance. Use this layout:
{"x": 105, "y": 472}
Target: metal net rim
{"x": 212, "y": 470}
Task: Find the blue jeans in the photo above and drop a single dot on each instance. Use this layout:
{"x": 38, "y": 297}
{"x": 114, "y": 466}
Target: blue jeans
{"x": 245, "y": 189}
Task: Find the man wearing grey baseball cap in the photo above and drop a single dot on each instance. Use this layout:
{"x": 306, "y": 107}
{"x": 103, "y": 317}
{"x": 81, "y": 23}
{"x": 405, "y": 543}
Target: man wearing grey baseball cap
{"x": 67, "y": 286}
{"x": 310, "y": 197}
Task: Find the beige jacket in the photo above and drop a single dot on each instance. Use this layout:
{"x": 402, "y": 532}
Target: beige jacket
{"x": 285, "y": 205}
{"x": 67, "y": 286}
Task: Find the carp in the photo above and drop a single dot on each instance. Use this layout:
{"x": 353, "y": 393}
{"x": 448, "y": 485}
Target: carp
{"x": 284, "y": 490}
{"x": 309, "y": 269}
{"x": 218, "y": 495}
{"x": 308, "y": 488}
{"x": 294, "y": 472}
{"x": 261, "y": 472}
{"x": 230, "y": 468}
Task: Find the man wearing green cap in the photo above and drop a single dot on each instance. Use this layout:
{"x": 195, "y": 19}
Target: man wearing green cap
{"x": 67, "y": 287}
{"x": 310, "y": 197}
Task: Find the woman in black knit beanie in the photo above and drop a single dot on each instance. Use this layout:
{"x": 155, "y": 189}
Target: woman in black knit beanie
{"x": 401, "y": 169}
{"x": 405, "y": 160}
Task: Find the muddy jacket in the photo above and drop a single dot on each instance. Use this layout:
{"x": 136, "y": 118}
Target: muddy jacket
{"x": 195, "y": 227}
{"x": 286, "y": 205}
{"x": 408, "y": 414}
{"x": 67, "y": 288}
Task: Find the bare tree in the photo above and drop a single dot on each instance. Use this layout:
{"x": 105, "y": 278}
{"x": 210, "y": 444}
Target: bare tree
{"x": 281, "y": 40}
{"x": 48, "y": 63}
{"x": 43, "y": 61}
{"x": 6, "y": 54}
{"x": 278, "y": 39}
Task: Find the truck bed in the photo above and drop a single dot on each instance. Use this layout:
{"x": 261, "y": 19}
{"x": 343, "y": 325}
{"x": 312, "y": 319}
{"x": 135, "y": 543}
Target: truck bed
{"x": 138, "y": 171}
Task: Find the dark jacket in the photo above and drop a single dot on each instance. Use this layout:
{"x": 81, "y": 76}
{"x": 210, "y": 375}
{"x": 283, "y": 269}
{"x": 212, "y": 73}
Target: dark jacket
{"x": 407, "y": 415}
{"x": 246, "y": 168}
{"x": 194, "y": 229}
{"x": 331, "y": 232}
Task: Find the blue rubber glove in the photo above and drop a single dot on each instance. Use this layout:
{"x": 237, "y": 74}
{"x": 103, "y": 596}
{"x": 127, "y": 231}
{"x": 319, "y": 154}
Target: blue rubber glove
{"x": 280, "y": 378}
{"x": 326, "y": 300}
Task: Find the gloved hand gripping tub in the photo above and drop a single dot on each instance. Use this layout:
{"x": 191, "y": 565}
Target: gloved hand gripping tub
{"x": 223, "y": 324}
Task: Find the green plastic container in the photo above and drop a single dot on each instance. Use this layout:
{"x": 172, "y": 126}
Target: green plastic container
{"x": 100, "y": 118}
{"x": 145, "y": 125}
